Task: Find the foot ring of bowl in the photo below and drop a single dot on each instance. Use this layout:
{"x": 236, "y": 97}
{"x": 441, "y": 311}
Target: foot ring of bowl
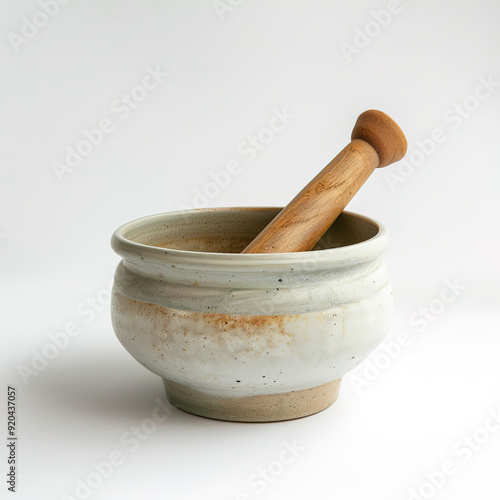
{"x": 261, "y": 408}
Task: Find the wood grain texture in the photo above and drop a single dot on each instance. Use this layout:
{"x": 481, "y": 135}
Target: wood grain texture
{"x": 299, "y": 226}
{"x": 377, "y": 141}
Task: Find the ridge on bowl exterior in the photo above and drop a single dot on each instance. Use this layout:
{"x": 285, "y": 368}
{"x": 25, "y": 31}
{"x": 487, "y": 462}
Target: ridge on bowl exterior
{"x": 249, "y": 337}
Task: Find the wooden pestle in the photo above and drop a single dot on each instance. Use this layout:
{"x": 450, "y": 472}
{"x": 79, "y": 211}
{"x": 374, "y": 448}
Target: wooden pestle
{"x": 376, "y": 141}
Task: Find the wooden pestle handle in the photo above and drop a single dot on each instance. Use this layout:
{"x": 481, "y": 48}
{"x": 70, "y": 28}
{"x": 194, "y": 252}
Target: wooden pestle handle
{"x": 376, "y": 141}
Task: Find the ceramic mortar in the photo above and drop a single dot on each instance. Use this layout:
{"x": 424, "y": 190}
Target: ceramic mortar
{"x": 249, "y": 337}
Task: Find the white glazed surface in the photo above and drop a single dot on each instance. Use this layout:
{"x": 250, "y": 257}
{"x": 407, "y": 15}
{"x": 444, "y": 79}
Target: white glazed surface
{"x": 237, "y": 325}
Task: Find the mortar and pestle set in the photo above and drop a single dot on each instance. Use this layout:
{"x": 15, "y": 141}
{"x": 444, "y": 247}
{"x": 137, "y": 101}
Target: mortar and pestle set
{"x": 255, "y": 314}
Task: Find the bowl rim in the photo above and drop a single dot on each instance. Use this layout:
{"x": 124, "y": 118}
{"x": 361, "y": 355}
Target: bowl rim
{"x": 363, "y": 251}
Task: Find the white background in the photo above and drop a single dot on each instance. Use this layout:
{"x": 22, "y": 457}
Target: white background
{"x": 393, "y": 423}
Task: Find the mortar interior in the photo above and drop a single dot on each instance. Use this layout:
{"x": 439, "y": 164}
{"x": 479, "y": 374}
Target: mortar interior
{"x": 230, "y": 230}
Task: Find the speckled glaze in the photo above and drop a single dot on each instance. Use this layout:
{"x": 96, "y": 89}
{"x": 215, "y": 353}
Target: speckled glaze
{"x": 249, "y": 337}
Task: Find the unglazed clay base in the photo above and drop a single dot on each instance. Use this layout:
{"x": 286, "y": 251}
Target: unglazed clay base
{"x": 263, "y": 408}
